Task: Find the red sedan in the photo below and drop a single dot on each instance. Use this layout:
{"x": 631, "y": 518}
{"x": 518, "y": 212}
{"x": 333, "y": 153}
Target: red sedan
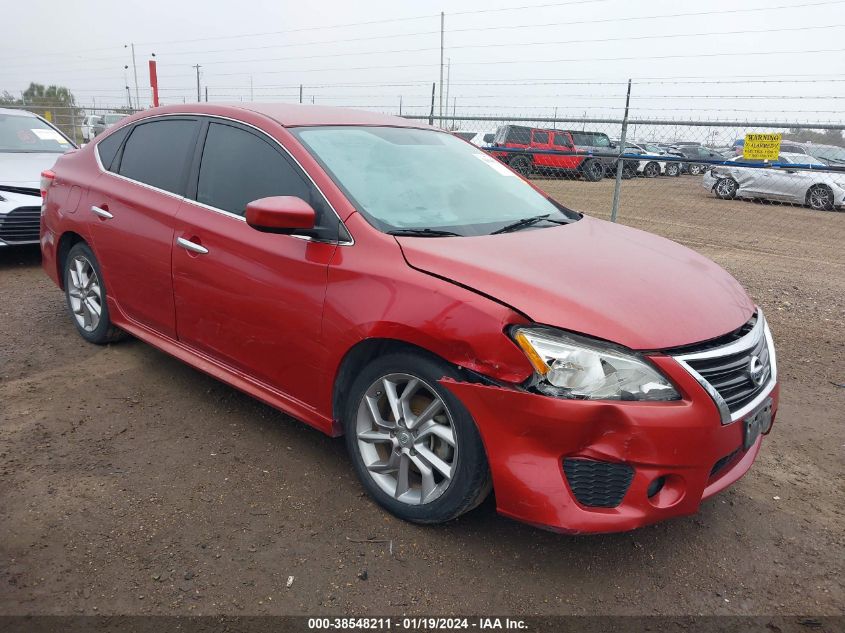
{"x": 390, "y": 282}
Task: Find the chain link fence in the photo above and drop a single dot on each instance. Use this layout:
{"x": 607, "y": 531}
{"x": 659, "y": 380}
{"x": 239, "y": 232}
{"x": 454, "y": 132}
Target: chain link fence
{"x": 79, "y": 124}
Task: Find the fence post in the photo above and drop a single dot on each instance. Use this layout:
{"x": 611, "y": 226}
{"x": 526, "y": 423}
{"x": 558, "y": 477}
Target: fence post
{"x": 73, "y": 124}
{"x": 620, "y": 163}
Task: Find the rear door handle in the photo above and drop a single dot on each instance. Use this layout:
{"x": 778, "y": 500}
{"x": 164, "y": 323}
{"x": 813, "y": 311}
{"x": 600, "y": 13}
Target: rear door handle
{"x": 102, "y": 213}
{"x": 191, "y": 246}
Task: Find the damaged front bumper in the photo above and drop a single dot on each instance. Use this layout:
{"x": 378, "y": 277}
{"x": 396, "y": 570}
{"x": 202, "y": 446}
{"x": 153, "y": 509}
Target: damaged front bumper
{"x": 552, "y": 459}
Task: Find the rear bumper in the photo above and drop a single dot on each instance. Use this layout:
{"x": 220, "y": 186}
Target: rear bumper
{"x": 527, "y": 437}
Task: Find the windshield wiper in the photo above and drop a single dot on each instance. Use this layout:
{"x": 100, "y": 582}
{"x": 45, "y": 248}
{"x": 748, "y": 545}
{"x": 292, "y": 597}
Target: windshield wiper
{"x": 424, "y": 233}
{"x": 519, "y": 224}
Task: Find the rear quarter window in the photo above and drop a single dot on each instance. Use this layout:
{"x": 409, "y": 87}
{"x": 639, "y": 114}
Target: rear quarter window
{"x": 158, "y": 153}
{"x": 108, "y": 147}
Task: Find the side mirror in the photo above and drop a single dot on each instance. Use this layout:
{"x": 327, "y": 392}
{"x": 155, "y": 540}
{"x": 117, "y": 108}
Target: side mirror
{"x": 280, "y": 214}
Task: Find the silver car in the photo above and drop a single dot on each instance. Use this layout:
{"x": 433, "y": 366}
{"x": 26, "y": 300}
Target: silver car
{"x": 821, "y": 190}
{"x": 28, "y": 146}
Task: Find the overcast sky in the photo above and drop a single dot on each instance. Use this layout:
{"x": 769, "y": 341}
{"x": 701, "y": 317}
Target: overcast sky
{"x": 746, "y": 59}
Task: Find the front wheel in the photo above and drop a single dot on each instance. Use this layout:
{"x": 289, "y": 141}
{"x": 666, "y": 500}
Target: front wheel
{"x": 673, "y": 169}
{"x": 820, "y": 198}
{"x": 726, "y": 188}
{"x": 413, "y": 444}
{"x": 85, "y": 294}
{"x": 521, "y": 165}
{"x": 651, "y": 170}
{"x": 696, "y": 170}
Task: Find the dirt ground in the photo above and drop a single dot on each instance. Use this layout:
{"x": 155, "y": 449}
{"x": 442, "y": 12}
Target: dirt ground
{"x": 132, "y": 484}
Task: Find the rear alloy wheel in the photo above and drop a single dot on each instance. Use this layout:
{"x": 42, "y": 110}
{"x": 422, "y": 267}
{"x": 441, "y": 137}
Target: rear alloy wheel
{"x": 651, "y": 170}
{"x": 593, "y": 170}
{"x": 820, "y": 198}
{"x": 696, "y": 170}
{"x": 86, "y": 296}
{"x": 673, "y": 169}
{"x": 726, "y": 188}
{"x": 521, "y": 165}
{"x": 413, "y": 444}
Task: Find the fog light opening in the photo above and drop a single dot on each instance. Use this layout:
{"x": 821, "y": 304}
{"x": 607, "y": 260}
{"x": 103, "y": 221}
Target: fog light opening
{"x": 656, "y": 486}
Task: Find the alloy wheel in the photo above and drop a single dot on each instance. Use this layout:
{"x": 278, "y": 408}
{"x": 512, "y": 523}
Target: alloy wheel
{"x": 726, "y": 188}
{"x": 85, "y": 293}
{"x": 820, "y": 198}
{"x": 406, "y": 438}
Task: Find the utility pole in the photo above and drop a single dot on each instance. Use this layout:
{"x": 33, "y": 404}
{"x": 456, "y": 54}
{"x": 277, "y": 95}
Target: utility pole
{"x": 400, "y": 105}
{"x": 442, "y": 31}
{"x": 135, "y": 72}
{"x": 199, "y": 95}
{"x": 300, "y": 93}
{"x": 206, "y": 94}
{"x": 251, "y": 92}
{"x": 448, "y": 82}
{"x": 431, "y": 114}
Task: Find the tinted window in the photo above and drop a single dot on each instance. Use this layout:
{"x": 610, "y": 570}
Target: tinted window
{"x": 561, "y": 139}
{"x": 158, "y": 153}
{"x": 107, "y": 148}
{"x": 591, "y": 139}
{"x": 541, "y": 137}
{"x": 517, "y": 134}
{"x": 238, "y": 167}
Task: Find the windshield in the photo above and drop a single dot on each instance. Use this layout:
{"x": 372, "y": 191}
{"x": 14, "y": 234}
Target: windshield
{"x": 403, "y": 178}
{"x": 21, "y": 133}
{"x": 836, "y": 154}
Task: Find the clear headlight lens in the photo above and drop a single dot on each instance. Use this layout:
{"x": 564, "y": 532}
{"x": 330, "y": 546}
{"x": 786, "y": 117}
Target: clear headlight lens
{"x": 571, "y": 366}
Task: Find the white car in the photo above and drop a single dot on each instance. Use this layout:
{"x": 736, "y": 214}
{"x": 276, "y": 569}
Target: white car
{"x": 821, "y": 190}
{"x": 28, "y": 146}
{"x": 88, "y": 127}
{"x": 650, "y": 167}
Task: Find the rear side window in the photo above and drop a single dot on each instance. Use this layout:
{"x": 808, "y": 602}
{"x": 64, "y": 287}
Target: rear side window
{"x": 561, "y": 139}
{"x": 238, "y": 167}
{"x": 107, "y": 148}
{"x": 541, "y": 138}
{"x": 158, "y": 153}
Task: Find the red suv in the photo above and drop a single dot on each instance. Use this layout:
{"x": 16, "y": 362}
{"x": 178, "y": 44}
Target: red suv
{"x": 528, "y": 150}
{"x": 389, "y": 282}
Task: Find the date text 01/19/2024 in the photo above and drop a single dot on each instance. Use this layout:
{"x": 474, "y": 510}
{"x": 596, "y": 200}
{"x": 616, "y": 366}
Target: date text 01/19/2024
{"x": 420, "y": 623}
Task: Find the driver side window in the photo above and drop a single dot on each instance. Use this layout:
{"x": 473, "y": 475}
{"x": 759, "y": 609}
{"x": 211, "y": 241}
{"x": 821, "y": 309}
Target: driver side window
{"x": 238, "y": 166}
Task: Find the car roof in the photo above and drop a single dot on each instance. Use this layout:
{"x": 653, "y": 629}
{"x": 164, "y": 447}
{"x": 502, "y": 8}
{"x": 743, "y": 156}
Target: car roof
{"x": 287, "y": 115}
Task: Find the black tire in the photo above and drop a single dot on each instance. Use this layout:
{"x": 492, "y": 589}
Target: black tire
{"x": 696, "y": 170}
{"x": 104, "y": 332}
{"x": 651, "y": 170}
{"x": 820, "y": 198}
{"x": 471, "y": 482}
{"x": 521, "y": 165}
{"x": 726, "y": 188}
{"x": 673, "y": 169}
{"x": 629, "y": 170}
{"x": 592, "y": 170}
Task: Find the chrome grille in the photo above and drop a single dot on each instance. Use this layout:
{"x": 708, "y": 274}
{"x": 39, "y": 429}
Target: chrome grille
{"x": 21, "y": 225}
{"x": 737, "y": 375}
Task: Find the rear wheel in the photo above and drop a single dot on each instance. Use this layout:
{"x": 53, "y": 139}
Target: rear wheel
{"x": 651, "y": 170}
{"x": 593, "y": 170}
{"x": 521, "y": 165}
{"x": 673, "y": 169}
{"x": 696, "y": 170}
{"x": 413, "y": 444}
{"x": 85, "y": 294}
{"x": 726, "y": 188}
{"x": 820, "y": 198}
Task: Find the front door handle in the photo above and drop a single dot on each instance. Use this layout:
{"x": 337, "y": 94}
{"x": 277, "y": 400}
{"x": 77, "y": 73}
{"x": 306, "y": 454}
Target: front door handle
{"x": 102, "y": 213}
{"x": 191, "y": 246}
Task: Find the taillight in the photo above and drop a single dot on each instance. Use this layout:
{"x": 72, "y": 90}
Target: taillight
{"x": 47, "y": 179}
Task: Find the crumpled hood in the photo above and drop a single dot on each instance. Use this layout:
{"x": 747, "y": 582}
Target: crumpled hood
{"x": 24, "y": 169}
{"x": 594, "y": 277}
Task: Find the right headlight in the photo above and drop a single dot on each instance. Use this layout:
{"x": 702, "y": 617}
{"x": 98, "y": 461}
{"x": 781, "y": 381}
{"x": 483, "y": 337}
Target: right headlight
{"x": 572, "y": 366}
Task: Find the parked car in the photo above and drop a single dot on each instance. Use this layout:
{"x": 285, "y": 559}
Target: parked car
{"x": 28, "y": 145}
{"x": 649, "y": 168}
{"x": 105, "y": 121}
{"x": 87, "y": 127}
{"x": 832, "y": 155}
{"x": 528, "y": 149}
{"x": 820, "y": 190}
{"x": 697, "y": 152}
{"x": 673, "y": 167}
{"x": 479, "y": 139}
{"x": 383, "y": 280}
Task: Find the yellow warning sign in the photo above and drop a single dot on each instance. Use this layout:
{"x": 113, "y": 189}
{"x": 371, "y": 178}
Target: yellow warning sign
{"x": 761, "y": 146}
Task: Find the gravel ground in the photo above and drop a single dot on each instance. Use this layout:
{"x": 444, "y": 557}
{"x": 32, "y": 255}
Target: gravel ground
{"x": 133, "y": 484}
